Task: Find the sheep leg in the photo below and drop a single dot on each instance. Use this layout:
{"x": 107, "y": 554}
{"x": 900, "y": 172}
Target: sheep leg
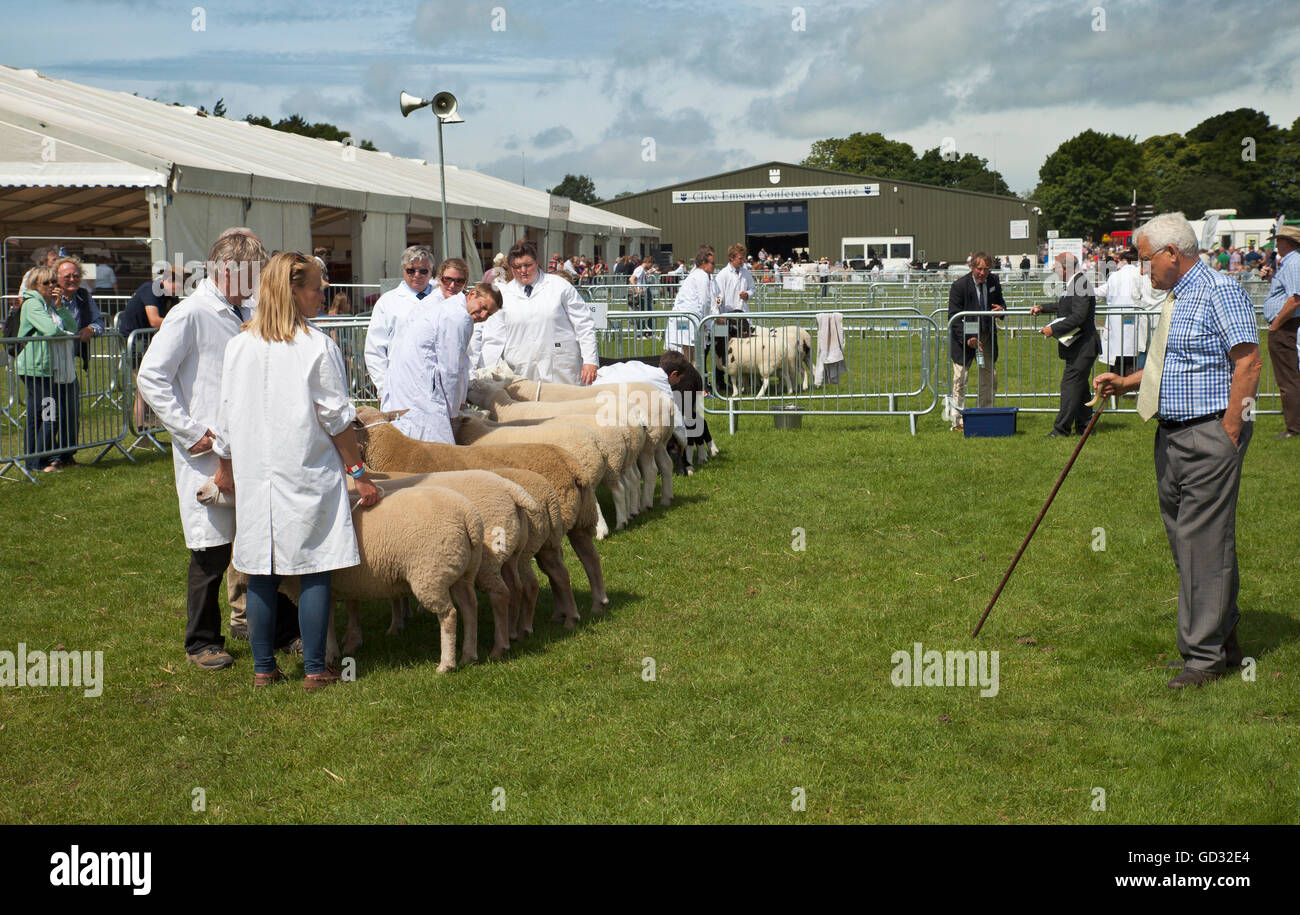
{"x": 467, "y": 601}
{"x": 602, "y": 526}
{"x": 352, "y": 638}
{"x": 523, "y": 625}
{"x": 585, "y": 549}
{"x": 763, "y": 390}
{"x": 631, "y": 489}
{"x": 665, "y": 467}
{"x": 649, "y": 471}
{"x": 401, "y": 609}
{"x": 551, "y": 562}
{"x": 500, "y": 598}
{"x": 615, "y": 485}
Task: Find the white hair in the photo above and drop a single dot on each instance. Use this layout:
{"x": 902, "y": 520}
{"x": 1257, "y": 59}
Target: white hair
{"x": 416, "y": 253}
{"x": 1169, "y": 229}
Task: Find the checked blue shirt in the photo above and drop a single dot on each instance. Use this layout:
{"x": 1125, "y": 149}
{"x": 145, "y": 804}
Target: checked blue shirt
{"x": 1286, "y": 283}
{"x": 1212, "y": 314}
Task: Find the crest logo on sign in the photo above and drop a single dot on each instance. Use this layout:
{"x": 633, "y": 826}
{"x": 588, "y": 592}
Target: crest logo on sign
{"x": 774, "y": 175}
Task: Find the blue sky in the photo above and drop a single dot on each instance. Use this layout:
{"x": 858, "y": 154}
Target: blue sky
{"x": 577, "y": 87}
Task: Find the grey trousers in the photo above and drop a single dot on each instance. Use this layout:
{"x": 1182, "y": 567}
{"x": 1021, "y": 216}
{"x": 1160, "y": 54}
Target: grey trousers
{"x": 1198, "y": 470}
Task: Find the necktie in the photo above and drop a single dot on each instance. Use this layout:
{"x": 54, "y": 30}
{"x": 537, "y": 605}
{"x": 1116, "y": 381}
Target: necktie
{"x": 528, "y": 290}
{"x": 1149, "y": 393}
{"x": 984, "y": 305}
{"x": 421, "y": 294}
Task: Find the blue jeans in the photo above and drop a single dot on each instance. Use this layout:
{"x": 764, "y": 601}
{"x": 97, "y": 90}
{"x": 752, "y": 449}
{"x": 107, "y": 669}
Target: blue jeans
{"x": 313, "y": 620}
{"x": 42, "y": 433}
{"x": 69, "y": 399}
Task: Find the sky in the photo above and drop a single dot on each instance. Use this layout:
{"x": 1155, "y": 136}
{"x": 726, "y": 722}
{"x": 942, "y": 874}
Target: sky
{"x": 640, "y": 95}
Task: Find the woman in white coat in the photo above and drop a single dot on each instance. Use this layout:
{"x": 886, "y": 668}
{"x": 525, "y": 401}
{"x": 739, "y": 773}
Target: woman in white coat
{"x": 544, "y": 331}
{"x": 285, "y": 440}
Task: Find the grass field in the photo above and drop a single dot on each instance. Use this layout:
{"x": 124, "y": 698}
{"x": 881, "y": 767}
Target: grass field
{"x": 772, "y": 665}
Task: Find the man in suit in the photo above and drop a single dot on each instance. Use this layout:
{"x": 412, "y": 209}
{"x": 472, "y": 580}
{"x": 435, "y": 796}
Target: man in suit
{"x": 1075, "y": 330}
{"x": 973, "y": 339}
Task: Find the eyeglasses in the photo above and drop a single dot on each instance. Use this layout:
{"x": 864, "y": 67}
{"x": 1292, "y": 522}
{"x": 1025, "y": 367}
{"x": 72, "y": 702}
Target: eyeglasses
{"x": 45, "y": 283}
{"x": 452, "y": 280}
{"x": 413, "y": 271}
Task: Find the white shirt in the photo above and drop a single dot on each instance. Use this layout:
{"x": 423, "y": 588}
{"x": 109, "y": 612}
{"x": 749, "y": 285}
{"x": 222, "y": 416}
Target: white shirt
{"x": 180, "y": 380}
{"x": 632, "y": 372}
{"x": 280, "y": 404}
{"x": 731, "y": 283}
{"x": 1120, "y": 288}
{"x": 638, "y": 275}
{"x": 698, "y": 293}
{"x": 429, "y": 370}
{"x": 105, "y": 278}
{"x": 391, "y": 309}
{"x": 546, "y": 336}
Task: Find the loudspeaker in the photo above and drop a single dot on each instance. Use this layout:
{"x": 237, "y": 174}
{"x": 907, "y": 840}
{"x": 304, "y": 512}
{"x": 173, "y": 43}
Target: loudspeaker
{"x": 412, "y": 102}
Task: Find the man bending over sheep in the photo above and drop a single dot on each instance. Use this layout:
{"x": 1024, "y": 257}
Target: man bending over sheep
{"x": 428, "y": 366}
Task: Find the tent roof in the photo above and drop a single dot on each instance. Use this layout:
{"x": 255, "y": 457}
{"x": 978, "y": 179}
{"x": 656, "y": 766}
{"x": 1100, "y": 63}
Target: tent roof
{"x": 59, "y": 133}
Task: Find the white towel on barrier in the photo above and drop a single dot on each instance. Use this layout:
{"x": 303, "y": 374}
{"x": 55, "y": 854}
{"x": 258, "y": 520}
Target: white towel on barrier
{"x": 830, "y": 348}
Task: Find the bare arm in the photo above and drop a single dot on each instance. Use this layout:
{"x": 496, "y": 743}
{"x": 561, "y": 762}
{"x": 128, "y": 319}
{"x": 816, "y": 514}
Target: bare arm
{"x": 1246, "y": 366}
{"x": 346, "y": 445}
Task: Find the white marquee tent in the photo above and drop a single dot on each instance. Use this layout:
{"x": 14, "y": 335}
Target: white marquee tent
{"x": 81, "y": 161}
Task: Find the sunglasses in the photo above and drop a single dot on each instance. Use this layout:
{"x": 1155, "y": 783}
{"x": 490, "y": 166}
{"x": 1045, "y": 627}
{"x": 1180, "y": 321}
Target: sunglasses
{"x": 452, "y": 280}
{"x": 413, "y": 271}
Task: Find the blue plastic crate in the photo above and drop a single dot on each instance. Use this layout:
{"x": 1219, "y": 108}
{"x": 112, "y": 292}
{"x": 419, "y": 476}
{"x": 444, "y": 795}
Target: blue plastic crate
{"x": 989, "y": 422}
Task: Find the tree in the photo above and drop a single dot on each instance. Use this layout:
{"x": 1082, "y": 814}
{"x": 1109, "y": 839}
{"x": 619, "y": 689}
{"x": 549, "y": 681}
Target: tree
{"x": 1086, "y": 177}
{"x": 868, "y": 154}
{"x": 219, "y": 109}
{"x": 321, "y": 130}
{"x": 968, "y": 172}
{"x": 578, "y": 188}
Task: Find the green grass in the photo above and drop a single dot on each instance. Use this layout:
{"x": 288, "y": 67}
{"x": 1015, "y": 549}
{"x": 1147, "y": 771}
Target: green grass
{"x": 773, "y": 665}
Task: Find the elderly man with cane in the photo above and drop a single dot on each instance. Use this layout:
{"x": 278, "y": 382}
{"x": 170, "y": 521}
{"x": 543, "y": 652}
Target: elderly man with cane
{"x": 1199, "y": 382}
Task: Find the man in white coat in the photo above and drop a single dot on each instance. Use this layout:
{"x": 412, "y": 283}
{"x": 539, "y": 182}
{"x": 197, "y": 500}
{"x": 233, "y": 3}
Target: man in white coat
{"x": 393, "y": 307}
{"x": 180, "y": 380}
{"x": 698, "y": 296}
{"x": 736, "y": 286}
{"x": 429, "y": 366}
{"x": 544, "y": 331}
{"x": 1121, "y": 292}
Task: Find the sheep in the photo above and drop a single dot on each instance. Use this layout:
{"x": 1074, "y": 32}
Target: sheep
{"x": 426, "y": 541}
{"x": 576, "y": 432}
{"x": 545, "y": 545}
{"x": 778, "y": 349}
{"x": 385, "y": 448}
{"x": 506, "y": 509}
{"x": 630, "y": 405}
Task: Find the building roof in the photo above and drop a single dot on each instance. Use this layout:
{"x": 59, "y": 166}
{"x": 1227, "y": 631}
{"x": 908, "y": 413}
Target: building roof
{"x": 59, "y": 133}
{"x": 851, "y": 178}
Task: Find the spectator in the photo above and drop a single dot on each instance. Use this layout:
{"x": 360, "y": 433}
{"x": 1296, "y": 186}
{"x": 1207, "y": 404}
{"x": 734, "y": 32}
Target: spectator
{"x": 1024, "y": 266}
{"x": 1252, "y": 259}
{"x": 973, "y": 339}
{"x": 146, "y": 309}
{"x": 284, "y": 439}
{"x": 90, "y": 323}
{"x": 40, "y": 257}
{"x": 638, "y": 291}
{"x": 105, "y": 280}
{"x": 1280, "y": 311}
{"x": 48, "y": 369}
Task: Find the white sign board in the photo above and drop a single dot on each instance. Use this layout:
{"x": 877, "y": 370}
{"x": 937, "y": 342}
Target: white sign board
{"x": 1053, "y": 233}
{"x": 599, "y": 314}
{"x": 816, "y": 192}
{"x": 1019, "y": 228}
{"x": 1057, "y": 246}
{"x": 559, "y": 209}
{"x": 793, "y": 282}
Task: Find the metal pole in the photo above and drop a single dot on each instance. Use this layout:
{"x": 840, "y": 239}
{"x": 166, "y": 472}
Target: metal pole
{"x": 442, "y": 182}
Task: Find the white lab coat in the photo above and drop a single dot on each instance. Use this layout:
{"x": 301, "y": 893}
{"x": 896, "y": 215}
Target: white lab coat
{"x": 698, "y": 295}
{"x": 280, "y": 404}
{"x": 428, "y": 370}
{"x": 180, "y": 380}
{"x": 1120, "y": 290}
{"x": 731, "y": 283}
{"x": 547, "y": 336}
{"x": 391, "y": 309}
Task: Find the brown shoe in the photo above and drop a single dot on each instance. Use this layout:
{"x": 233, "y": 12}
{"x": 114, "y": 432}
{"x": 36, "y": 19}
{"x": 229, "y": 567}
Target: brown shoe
{"x": 313, "y": 682}
{"x": 1193, "y": 676}
{"x": 261, "y": 680}
{"x": 211, "y": 658}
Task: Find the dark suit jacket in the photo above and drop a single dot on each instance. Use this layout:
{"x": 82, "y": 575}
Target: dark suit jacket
{"x": 963, "y": 296}
{"x": 1078, "y": 306}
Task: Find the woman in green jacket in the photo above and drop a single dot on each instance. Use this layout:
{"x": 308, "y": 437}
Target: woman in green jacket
{"x": 48, "y": 369}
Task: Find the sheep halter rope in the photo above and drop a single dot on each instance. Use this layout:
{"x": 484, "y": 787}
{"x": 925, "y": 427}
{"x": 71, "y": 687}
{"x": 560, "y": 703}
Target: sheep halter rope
{"x": 1100, "y": 405}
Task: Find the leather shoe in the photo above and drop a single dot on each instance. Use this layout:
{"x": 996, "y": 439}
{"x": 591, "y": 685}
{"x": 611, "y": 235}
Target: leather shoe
{"x": 1194, "y": 676}
{"x": 313, "y": 682}
{"x": 261, "y": 680}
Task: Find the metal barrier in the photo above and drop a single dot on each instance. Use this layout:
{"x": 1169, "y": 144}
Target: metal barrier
{"x": 886, "y": 371}
{"x": 85, "y": 411}
{"x": 637, "y": 334}
{"x": 141, "y": 421}
{"x": 349, "y": 332}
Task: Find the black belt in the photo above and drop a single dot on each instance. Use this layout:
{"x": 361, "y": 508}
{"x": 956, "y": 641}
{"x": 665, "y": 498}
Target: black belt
{"x": 1194, "y": 421}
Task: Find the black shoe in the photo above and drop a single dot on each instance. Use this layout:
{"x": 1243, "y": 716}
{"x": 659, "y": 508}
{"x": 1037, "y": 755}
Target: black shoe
{"x": 1194, "y": 676}
{"x": 1232, "y": 655}
{"x": 1055, "y": 434}
{"x": 239, "y": 632}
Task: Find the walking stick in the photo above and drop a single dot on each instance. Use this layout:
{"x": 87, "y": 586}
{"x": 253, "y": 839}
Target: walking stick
{"x": 1101, "y": 405}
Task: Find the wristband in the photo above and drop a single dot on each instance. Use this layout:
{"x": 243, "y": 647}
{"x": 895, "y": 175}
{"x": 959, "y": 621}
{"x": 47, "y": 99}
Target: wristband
{"x": 356, "y": 471}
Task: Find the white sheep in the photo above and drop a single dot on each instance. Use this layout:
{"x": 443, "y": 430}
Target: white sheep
{"x": 779, "y": 349}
